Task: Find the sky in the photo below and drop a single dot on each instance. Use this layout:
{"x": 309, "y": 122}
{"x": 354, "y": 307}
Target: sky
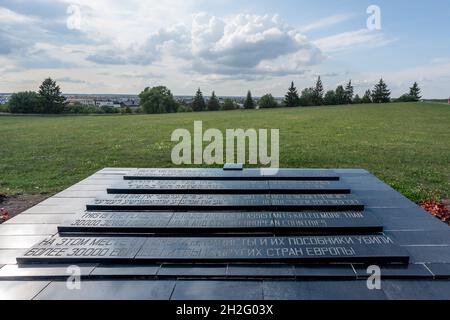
{"x": 230, "y": 46}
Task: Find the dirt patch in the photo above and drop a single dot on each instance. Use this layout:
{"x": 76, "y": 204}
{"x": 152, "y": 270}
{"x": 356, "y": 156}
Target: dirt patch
{"x": 18, "y": 203}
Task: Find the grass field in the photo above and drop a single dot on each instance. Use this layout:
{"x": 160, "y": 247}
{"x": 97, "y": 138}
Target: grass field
{"x": 405, "y": 144}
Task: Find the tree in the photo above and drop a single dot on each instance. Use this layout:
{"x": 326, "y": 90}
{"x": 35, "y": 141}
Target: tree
{"x": 229, "y": 104}
{"x": 51, "y": 98}
{"x": 357, "y": 99}
{"x": 341, "y": 97}
{"x": 213, "y": 102}
{"x": 367, "y": 97}
{"x": 380, "y": 93}
{"x": 349, "y": 92}
{"x": 24, "y": 102}
{"x": 414, "y": 92}
{"x": 317, "y": 94}
{"x": 157, "y": 100}
{"x": 267, "y": 101}
{"x": 330, "y": 98}
{"x": 291, "y": 98}
{"x": 199, "y": 103}
{"x": 249, "y": 103}
{"x": 306, "y": 98}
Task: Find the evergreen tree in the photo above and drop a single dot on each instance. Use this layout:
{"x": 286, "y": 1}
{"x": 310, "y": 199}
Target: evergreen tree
{"x": 341, "y": 97}
{"x": 213, "y": 102}
{"x": 199, "y": 103}
{"x": 414, "y": 92}
{"x": 330, "y": 98}
{"x": 51, "y": 98}
{"x": 357, "y": 99}
{"x": 249, "y": 103}
{"x": 317, "y": 97}
{"x": 381, "y": 93}
{"x": 291, "y": 98}
{"x": 349, "y": 92}
{"x": 367, "y": 97}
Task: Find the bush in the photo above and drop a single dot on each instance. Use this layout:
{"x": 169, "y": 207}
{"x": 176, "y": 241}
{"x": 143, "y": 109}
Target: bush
{"x": 157, "y": 100}
{"x": 24, "y": 102}
{"x": 4, "y": 108}
{"x": 267, "y": 101}
{"x": 78, "y": 108}
{"x": 229, "y": 104}
{"x": 406, "y": 98}
{"x": 109, "y": 109}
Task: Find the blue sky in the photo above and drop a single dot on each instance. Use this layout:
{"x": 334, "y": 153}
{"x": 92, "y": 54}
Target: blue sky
{"x": 228, "y": 46}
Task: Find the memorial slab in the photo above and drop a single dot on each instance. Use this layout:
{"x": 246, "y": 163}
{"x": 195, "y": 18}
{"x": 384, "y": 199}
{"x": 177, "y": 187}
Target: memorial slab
{"x": 219, "y": 174}
{"x": 373, "y": 248}
{"x": 227, "y": 187}
{"x": 222, "y": 222}
{"x": 83, "y": 249}
{"x": 226, "y": 201}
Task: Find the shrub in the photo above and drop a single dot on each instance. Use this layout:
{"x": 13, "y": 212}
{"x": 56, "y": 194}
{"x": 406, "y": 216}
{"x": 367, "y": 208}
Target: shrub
{"x": 24, "y": 102}
{"x": 4, "y": 108}
{"x": 267, "y": 101}
{"x": 229, "y": 104}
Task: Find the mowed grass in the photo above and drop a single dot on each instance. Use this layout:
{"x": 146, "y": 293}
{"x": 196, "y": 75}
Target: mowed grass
{"x": 405, "y": 144}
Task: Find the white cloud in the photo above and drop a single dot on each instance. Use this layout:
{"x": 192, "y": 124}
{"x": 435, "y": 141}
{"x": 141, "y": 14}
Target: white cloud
{"x": 353, "y": 39}
{"x": 326, "y": 22}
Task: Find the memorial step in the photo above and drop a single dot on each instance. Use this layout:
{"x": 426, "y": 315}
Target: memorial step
{"x": 220, "y": 174}
{"x": 228, "y": 187}
{"x": 278, "y": 202}
{"x": 313, "y": 249}
{"x": 302, "y": 222}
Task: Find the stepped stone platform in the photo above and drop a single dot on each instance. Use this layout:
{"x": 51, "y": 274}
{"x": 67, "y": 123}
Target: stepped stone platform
{"x": 229, "y": 233}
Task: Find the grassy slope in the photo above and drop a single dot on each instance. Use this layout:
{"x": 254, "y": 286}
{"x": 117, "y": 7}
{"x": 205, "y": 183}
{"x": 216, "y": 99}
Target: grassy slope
{"x": 407, "y": 145}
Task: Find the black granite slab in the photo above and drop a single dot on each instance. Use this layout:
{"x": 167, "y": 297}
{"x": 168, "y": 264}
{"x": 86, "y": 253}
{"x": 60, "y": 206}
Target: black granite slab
{"x": 110, "y": 290}
{"x": 192, "y": 270}
{"x": 21, "y": 290}
{"x": 369, "y": 248}
{"x": 364, "y": 248}
{"x": 222, "y": 222}
{"x": 217, "y": 290}
{"x": 416, "y": 290}
{"x": 227, "y": 187}
{"x": 320, "y": 290}
{"x": 324, "y": 271}
{"x": 439, "y": 270}
{"x": 83, "y": 249}
{"x": 249, "y": 174}
{"x": 227, "y": 202}
{"x": 407, "y": 271}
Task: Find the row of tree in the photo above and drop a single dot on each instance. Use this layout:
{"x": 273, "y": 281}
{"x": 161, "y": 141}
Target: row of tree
{"x": 49, "y": 99}
{"x": 315, "y": 96}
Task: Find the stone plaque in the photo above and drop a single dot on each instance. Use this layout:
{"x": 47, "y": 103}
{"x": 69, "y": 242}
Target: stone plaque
{"x": 219, "y": 174}
{"x": 227, "y": 186}
{"x": 223, "y": 222}
{"x": 363, "y": 248}
{"x": 84, "y": 249}
{"x": 190, "y": 186}
{"x": 226, "y": 201}
{"x": 336, "y": 248}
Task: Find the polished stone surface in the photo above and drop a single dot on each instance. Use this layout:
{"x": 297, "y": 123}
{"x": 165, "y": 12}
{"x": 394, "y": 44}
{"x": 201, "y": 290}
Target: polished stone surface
{"x": 420, "y": 236}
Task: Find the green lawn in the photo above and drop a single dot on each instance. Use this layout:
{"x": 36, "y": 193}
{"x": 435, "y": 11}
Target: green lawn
{"x": 405, "y": 144}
